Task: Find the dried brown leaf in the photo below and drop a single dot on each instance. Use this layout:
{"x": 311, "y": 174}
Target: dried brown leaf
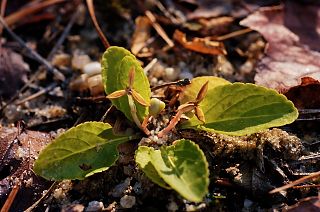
{"x": 141, "y": 34}
{"x": 13, "y": 72}
{"x": 304, "y": 96}
{"x": 287, "y": 59}
{"x": 201, "y": 45}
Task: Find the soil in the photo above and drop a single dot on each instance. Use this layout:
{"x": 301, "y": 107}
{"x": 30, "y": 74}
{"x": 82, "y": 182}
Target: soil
{"x": 41, "y": 98}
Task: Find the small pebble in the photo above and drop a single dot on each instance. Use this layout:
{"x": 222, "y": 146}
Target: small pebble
{"x": 79, "y": 61}
{"x": 172, "y": 206}
{"x": 94, "y": 206}
{"x": 119, "y": 190}
{"x": 127, "y": 201}
{"x": 92, "y": 68}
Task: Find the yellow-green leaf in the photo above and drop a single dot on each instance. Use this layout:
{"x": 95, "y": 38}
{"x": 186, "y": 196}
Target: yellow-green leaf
{"x": 191, "y": 91}
{"x": 79, "y": 152}
{"x": 116, "y": 65}
{"x": 142, "y": 158}
{"x": 240, "y": 109}
{"x": 184, "y": 167}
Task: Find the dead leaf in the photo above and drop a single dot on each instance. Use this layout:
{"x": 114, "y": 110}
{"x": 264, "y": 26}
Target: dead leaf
{"x": 141, "y": 34}
{"x": 13, "y": 72}
{"x": 304, "y": 95}
{"x": 287, "y": 60}
{"x": 201, "y": 45}
{"x": 234, "y": 8}
{"x": 17, "y": 151}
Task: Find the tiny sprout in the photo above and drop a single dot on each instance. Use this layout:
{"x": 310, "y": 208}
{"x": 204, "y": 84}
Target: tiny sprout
{"x": 186, "y": 108}
{"x": 132, "y": 95}
{"x": 129, "y": 91}
{"x": 156, "y": 106}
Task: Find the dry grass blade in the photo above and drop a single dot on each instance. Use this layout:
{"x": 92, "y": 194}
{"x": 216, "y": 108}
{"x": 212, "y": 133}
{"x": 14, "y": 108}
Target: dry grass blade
{"x": 159, "y": 29}
{"x": 296, "y": 182}
{"x": 96, "y": 25}
{"x": 2, "y": 13}
{"x": 33, "y": 8}
{"x": 11, "y": 197}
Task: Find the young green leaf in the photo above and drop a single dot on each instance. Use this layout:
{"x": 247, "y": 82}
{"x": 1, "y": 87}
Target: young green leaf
{"x": 240, "y": 109}
{"x": 116, "y": 65}
{"x": 79, "y": 152}
{"x": 184, "y": 167}
{"x": 110, "y": 63}
{"x": 142, "y": 158}
{"x": 192, "y": 90}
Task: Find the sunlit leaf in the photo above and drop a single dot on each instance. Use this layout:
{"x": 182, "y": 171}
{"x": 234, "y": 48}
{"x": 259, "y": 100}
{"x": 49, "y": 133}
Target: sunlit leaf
{"x": 192, "y": 90}
{"x": 116, "y": 65}
{"x": 184, "y": 167}
{"x": 79, "y": 152}
{"x": 140, "y": 85}
{"x": 110, "y": 63}
{"x": 142, "y": 158}
{"x": 239, "y": 109}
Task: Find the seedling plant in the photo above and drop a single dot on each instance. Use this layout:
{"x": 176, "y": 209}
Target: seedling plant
{"x": 207, "y": 103}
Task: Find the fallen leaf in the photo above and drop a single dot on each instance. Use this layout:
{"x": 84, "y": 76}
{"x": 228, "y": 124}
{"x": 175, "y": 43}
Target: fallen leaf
{"x": 17, "y": 151}
{"x": 201, "y": 45}
{"x": 13, "y": 72}
{"x": 304, "y": 96}
{"x": 141, "y": 34}
{"x": 287, "y": 59}
{"x": 236, "y": 9}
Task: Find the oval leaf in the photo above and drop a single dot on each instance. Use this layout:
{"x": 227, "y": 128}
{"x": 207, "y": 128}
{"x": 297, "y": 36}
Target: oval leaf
{"x": 142, "y": 158}
{"x": 140, "y": 85}
{"x": 184, "y": 167}
{"x": 191, "y": 91}
{"x": 110, "y": 63}
{"x": 240, "y": 109}
{"x": 79, "y": 152}
{"x": 116, "y": 65}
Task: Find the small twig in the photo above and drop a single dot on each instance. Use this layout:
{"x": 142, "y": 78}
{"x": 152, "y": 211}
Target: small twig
{"x": 58, "y": 75}
{"x": 106, "y": 113}
{"x": 34, "y": 205}
{"x": 96, "y": 25}
{"x": 150, "y": 65}
{"x": 64, "y": 34}
{"x": 22, "y": 13}
{"x": 233, "y": 34}
{"x": 165, "y": 11}
{"x": 159, "y": 29}
{"x": 11, "y": 197}
{"x": 39, "y": 93}
{"x": 296, "y": 182}
{"x": 2, "y": 13}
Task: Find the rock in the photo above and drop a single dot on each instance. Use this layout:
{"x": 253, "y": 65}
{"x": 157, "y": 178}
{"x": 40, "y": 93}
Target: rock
{"x": 127, "y": 201}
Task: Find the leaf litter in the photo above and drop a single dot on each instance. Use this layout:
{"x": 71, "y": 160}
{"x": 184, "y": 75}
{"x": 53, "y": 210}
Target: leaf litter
{"x": 251, "y": 164}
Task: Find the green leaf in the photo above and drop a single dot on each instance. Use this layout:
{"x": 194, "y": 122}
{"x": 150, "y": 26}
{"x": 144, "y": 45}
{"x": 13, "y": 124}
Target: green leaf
{"x": 240, "y": 109}
{"x": 116, "y": 64}
{"x": 141, "y": 85}
{"x": 110, "y": 63}
{"x": 79, "y": 152}
{"x": 191, "y": 91}
{"x": 142, "y": 158}
{"x": 184, "y": 167}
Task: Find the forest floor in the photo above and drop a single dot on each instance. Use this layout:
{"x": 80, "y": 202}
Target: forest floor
{"x": 50, "y": 54}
